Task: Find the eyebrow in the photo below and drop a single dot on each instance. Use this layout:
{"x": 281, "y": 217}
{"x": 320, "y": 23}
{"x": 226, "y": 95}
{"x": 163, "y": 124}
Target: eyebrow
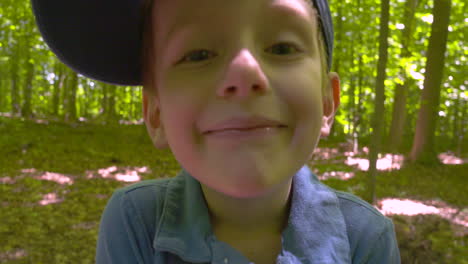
{"x": 291, "y": 12}
{"x": 304, "y": 19}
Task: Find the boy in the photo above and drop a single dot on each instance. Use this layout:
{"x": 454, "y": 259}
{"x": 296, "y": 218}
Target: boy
{"x": 242, "y": 118}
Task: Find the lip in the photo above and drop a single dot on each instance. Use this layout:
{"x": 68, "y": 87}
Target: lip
{"x": 243, "y": 123}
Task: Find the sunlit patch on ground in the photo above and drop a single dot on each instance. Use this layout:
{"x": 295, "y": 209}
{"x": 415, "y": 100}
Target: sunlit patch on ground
{"x": 36, "y": 120}
{"x": 365, "y": 151}
{"x": 393, "y": 206}
{"x": 125, "y": 174}
{"x": 342, "y": 175}
{"x": 334, "y": 155}
{"x": 127, "y": 122}
{"x": 6, "y": 180}
{"x": 344, "y": 149}
{"x": 385, "y": 163}
{"x": 7, "y": 114}
{"x": 12, "y": 255}
{"x": 50, "y": 198}
{"x": 48, "y": 176}
{"x": 450, "y": 158}
{"x": 41, "y": 121}
{"x": 56, "y": 177}
{"x": 388, "y": 162}
{"x": 325, "y": 153}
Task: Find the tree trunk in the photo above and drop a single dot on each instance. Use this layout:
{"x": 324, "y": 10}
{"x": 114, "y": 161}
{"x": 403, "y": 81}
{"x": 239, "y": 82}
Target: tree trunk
{"x": 15, "y": 96}
{"x": 65, "y": 92}
{"x": 73, "y": 86}
{"x": 352, "y": 106}
{"x": 398, "y": 117}
{"x": 111, "y": 103}
{"x": 399, "y": 105}
{"x": 352, "y": 85}
{"x": 357, "y": 113}
{"x": 339, "y": 36}
{"x": 377, "y": 120}
{"x": 2, "y": 98}
{"x": 133, "y": 108}
{"x": 105, "y": 88}
{"x": 27, "y": 86}
{"x": 58, "y": 86}
{"x": 458, "y": 124}
{"x": 423, "y": 143}
{"x": 87, "y": 99}
{"x": 462, "y": 129}
{"x": 357, "y": 107}
{"x": 360, "y": 105}
{"x": 336, "y": 59}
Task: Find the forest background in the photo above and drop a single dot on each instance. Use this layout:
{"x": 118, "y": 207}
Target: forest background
{"x": 399, "y": 139}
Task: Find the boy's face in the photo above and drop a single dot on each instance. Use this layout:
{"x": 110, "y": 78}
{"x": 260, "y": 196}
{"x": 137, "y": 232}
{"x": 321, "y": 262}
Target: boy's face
{"x": 218, "y": 60}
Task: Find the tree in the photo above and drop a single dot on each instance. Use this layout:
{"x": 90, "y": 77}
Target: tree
{"x": 73, "y": 86}
{"x": 399, "y": 105}
{"x": 423, "y": 143}
{"x": 377, "y": 120}
{"x": 108, "y": 102}
{"x": 14, "y": 65}
{"x": 59, "y": 78}
{"x": 26, "y": 110}
{"x": 459, "y": 125}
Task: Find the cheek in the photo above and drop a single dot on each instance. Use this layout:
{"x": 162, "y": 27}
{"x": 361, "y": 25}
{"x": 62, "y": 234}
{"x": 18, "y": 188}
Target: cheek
{"x": 303, "y": 96}
{"x": 179, "y": 116}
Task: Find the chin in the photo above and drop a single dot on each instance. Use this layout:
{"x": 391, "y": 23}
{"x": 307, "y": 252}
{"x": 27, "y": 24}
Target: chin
{"x": 248, "y": 189}
{"x": 246, "y": 193}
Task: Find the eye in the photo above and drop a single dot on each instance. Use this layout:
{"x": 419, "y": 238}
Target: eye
{"x": 202, "y": 54}
{"x": 284, "y": 48}
{"x": 196, "y": 56}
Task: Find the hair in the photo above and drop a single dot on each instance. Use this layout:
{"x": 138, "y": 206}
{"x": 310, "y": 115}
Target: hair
{"x": 149, "y": 58}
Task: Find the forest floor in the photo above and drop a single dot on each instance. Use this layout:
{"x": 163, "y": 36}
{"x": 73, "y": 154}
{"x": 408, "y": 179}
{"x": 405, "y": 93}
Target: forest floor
{"x": 55, "y": 180}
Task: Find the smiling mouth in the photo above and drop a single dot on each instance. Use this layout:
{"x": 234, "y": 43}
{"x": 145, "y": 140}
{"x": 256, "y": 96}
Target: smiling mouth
{"x": 243, "y": 124}
{"x": 243, "y": 129}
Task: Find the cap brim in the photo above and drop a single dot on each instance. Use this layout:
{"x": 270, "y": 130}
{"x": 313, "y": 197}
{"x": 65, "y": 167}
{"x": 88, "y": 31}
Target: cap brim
{"x": 100, "y": 39}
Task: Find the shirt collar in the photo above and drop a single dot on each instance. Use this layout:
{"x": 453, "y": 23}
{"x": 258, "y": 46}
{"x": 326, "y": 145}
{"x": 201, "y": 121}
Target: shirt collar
{"x": 316, "y": 230}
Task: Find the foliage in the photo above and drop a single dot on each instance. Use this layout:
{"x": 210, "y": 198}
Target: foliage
{"x": 356, "y": 61}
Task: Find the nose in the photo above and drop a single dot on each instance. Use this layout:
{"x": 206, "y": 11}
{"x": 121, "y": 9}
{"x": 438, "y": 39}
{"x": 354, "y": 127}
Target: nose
{"x": 244, "y": 77}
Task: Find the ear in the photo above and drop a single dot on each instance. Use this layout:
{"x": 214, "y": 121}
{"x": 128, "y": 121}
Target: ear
{"x": 152, "y": 117}
{"x": 331, "y": 101}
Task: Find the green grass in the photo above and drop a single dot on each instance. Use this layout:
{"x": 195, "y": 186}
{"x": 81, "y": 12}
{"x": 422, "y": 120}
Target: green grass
{"x": 72, "y": 149}
{"x": 66, "y": 232}
{"x": 412, "y": 182}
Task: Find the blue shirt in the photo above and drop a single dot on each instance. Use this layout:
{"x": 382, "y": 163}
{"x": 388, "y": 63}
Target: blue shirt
{"x": 167, "y": 221}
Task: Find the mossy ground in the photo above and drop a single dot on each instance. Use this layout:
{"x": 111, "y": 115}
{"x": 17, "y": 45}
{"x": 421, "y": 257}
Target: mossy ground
{"x": 66, "y": 231}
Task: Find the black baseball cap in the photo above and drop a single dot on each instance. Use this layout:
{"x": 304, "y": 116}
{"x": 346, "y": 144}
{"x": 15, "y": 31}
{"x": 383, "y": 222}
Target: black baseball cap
{"x": 102, "y": 39}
